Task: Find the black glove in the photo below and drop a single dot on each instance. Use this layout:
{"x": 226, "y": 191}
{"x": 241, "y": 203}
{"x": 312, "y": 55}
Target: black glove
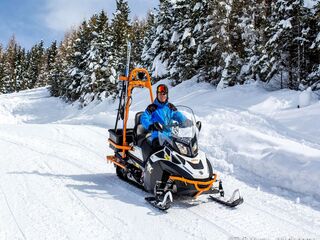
{"x": 156, "y": 127}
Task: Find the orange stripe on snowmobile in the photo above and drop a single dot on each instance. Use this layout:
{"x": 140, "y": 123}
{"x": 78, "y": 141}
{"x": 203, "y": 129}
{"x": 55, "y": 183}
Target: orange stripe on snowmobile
{"x": 119, "y": 146}
{"x": 196, "y": 184}
{"x": 123, "y": 78}
{"x": 114, "y": 160}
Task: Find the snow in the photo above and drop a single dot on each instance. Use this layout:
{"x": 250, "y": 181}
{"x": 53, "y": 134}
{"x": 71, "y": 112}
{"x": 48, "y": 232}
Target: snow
{"x": 310, "y": 3}
{"x": 192, "y": 42}
{"x": 286, "y": 24}
{"x": 305, "y": 97}
{"x": 159, "y": 67}
{"x": 174, "y": 37}
{"x": 186, "y": 34}
{"x": 197, "y": 6}
{"x": 197, "y": 28}
{"x": 56, "y": 184}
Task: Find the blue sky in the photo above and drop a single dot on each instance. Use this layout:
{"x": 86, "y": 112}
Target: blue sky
{"x": 34, "y": 20}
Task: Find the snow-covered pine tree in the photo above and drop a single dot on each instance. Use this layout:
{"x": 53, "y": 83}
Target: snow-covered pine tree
{"x": 64, "y": 59}
{"x": 9, "y": 66}
{"x": 120, "y": 30}
{"x": 215, "y": 53}
{"x": 147, "y": 55}
{"x": 313, "y": 79}
{"x": 246, "y": 19}
{"x": 76, "y": 63}
{"x": 182, "y": 42}
{"x": 99, "y": 78}
{"x": 2, "y": 90}
{"x": 19, "y": 82}
{"x": 234, "y": 50}
{"x": 200, "y": 12}
{"x": 48, "y": 61}
{"x": 138, "y": 29}
{"x": 43, "y": 74}
{"x": 54, "y": 69}
{"x": 281, "y": 59}
{"x": 35, "y": 60}
{"x": 161, "y": 47}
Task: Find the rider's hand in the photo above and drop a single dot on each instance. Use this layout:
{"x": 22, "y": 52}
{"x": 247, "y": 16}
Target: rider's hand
{"x": 156, "y": 127}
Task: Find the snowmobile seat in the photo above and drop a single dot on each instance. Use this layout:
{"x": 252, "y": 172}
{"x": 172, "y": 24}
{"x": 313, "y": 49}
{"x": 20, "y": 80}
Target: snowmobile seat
{"x": 140, "y": 133}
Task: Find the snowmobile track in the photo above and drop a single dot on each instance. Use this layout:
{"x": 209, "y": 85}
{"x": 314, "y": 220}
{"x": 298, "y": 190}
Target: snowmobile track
{"x": 12, "y": 214}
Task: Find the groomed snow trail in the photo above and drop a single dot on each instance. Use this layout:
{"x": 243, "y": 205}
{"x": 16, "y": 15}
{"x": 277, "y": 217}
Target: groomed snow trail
{"x": 56, "y": 184}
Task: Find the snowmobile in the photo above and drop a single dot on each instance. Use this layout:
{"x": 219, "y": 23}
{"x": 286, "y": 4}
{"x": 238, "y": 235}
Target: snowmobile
{"x": 178, "y": 168}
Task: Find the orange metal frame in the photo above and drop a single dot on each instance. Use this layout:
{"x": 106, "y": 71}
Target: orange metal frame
{"x": 133, "y": 82}
{"x": 207, "y": 185}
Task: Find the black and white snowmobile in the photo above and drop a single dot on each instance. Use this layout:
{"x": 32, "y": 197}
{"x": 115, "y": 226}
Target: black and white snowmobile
{"x": 178, "y": 167}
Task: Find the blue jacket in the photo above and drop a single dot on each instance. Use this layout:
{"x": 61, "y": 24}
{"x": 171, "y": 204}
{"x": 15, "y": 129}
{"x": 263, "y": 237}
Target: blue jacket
{"x": 163, "y": 113}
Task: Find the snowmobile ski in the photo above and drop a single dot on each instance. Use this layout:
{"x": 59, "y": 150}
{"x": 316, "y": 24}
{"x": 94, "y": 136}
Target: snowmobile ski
{"x": 232, "y": 202}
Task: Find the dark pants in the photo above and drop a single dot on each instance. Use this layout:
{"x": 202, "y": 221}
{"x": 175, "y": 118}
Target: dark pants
{"x": 148, "y": 148}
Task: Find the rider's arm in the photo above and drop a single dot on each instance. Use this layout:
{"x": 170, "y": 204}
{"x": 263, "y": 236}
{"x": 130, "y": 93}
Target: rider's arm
{"x": 178, "y": 116}
{"x": 146, "y": 118}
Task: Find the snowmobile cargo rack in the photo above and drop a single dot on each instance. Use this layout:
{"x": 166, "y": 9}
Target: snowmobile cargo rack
{"x": 119, "y": 138}
{"x": 116, "y": 139}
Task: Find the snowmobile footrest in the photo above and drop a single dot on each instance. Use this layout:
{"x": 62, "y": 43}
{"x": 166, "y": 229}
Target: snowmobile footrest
{"x": 153, "y": 201}
{"x": 163, "y": 205}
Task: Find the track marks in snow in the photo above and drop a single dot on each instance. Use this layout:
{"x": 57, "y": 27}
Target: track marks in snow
{"x": 12, "y": 213}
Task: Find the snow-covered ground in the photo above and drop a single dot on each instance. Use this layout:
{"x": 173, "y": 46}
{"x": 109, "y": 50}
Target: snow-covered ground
{"x": 56, "y": 184}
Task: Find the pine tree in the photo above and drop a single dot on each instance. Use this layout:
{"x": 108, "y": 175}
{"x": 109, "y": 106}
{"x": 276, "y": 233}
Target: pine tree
{"x": 215, "y": 53}
{"x": 313, "y": 52}
{"x": 147, "y": 54}
{"x": 19, "y": 69}
{"x": 2, "y": 90}
{"x": 120, "y": 30}
{"x": 137, "y": 31}
{"x": 77, "y": 65}
{"x": 9, "y": 73}
{"x": 56, "y": 73}
{"x": 35, "y": 59}
{"x": 99, "y": 81}
{"x": 181, "y": 58}
{"x": 64, "y": 58}
{"x": 52, "y": 68}
{"x": 161, "y": 47}
{"x": 282, "y": 59}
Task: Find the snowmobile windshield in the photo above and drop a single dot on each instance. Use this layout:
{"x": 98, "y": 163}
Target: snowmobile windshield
{"x": 181, "y": 132}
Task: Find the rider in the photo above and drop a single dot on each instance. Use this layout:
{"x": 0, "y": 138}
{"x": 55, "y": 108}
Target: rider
{"x": 159, "y": 115}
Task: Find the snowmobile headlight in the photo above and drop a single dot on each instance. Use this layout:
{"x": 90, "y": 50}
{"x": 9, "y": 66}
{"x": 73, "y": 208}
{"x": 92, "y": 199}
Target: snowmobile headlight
{"x": 182, "y": 148}
{"x": 195, "y": 147}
